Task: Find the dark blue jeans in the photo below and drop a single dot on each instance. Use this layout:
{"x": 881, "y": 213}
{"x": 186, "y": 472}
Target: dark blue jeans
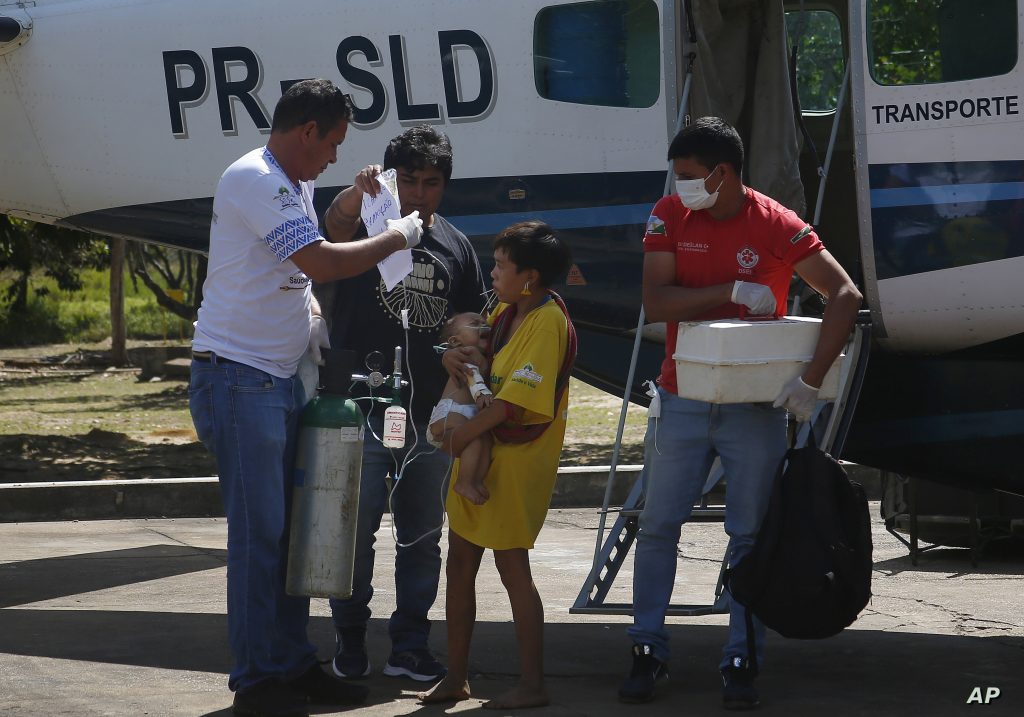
{"x": 249, "y": 420}
{"x": 417, "y": 503}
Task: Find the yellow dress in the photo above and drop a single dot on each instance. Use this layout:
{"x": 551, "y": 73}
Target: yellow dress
{"x": 521, "y": 476}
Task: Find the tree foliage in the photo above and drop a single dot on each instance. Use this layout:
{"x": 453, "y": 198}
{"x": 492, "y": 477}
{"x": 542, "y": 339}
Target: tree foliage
{"x": 27, "y": 247}
{"x": 904, "y": 45}
{"x": 175, "y": 277}
{"x": 820, "y": 63}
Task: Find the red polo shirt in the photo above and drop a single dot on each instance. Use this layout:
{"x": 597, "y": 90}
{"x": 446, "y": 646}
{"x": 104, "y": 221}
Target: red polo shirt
{"x": 761, "y": 243}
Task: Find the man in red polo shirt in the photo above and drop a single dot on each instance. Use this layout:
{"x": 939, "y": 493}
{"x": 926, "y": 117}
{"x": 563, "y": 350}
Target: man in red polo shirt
{"x": 718, "y": 249}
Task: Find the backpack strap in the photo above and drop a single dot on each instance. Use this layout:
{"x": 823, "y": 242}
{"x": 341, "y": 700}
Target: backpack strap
{"x": 516, "y": 433}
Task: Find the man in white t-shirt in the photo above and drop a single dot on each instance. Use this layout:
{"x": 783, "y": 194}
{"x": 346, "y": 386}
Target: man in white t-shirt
{"x": 257, "y": 319}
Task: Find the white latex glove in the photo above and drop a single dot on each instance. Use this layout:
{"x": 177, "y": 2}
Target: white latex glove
{"x": 798, "y": 398}
{"x": 410, "y": 226}
{"x": 318, "y": 337}
{"x": 309, "y": 374}
{"x": 756, "y": 297}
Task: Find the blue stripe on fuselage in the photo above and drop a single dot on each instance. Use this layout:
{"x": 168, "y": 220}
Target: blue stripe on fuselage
{"x": 940, "y": 215}
{"x": 945, "y": 194}
{"x": 608, "y": 216}
{"x": 479, "y": 206}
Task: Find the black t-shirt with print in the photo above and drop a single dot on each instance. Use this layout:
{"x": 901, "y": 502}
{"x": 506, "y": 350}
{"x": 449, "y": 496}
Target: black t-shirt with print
{"x": 446, "y": 279}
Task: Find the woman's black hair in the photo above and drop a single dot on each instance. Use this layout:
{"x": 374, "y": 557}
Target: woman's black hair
{"x": 534, "y": 245}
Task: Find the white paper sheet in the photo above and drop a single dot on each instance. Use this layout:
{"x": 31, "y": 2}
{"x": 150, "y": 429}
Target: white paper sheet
{"x": 375, "y": 213}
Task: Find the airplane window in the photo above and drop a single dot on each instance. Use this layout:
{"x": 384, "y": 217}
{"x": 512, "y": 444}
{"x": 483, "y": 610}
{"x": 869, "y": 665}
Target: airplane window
{"x": 598, "y": 53}
{"x": 819, "y": 63}
{"x": 916, "y": 42}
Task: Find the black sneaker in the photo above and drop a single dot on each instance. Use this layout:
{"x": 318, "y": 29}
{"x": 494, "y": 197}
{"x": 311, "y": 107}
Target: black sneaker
{"x": 738, "y": 691}
{"x": 351, "y": 659}
{"x": 319, "y": 688}
{"x": 270, "y": 698}
{"x": 647, "y": 670}
{"x": 420, "y": 665}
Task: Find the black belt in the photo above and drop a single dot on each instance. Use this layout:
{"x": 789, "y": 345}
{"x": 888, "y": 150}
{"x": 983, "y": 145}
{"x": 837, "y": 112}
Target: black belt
{"x": 207, "y": 357}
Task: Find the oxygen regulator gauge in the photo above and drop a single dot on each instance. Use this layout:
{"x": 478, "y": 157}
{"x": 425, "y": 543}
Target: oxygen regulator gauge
{"x": 374, "y": 363}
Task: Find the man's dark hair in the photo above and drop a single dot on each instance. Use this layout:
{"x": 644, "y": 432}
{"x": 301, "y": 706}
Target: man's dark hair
{"x": 317, "y": 101}
{"x": 418, "y": 148}
{"x": 533, "y": 245}
{"x": 711, "y": 142}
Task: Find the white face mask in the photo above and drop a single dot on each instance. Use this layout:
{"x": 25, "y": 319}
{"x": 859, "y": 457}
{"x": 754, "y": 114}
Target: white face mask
{"x": 694, "y": 195}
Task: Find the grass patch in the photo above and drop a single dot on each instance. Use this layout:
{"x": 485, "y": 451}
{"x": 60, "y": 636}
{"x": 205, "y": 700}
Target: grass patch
{"x": 68, "y": 403}
{"x": 62, "y": 402}
{"x": 593, "y": 422}
{"x": 52, "y": 405}
{"x": 55, "y": 316}
{"x": 50, "y": 416}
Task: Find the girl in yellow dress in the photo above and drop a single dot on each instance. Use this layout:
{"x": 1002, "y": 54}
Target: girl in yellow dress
{"x": 533, "y": 346}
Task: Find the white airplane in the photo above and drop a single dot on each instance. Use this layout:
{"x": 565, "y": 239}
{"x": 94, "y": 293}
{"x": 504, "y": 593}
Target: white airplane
{"x": 118, "y": 116}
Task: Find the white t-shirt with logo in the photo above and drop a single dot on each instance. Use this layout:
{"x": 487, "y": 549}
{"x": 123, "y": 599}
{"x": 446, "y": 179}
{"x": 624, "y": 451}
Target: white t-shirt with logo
{"x": 256, "y": 302}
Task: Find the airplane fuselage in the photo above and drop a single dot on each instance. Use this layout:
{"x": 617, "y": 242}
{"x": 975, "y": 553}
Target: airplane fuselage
{"x": 119, "y": 117}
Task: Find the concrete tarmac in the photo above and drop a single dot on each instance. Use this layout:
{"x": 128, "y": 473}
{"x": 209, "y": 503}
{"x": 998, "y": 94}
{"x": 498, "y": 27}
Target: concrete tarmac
{"x": 127, "y": 618}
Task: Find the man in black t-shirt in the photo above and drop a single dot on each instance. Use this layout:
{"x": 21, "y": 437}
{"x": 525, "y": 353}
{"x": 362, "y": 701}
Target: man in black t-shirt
{"x": 446, "y": 279}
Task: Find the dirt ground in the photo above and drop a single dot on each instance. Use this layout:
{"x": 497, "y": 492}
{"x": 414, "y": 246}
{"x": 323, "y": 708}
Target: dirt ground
{"x": 67, "y": 414}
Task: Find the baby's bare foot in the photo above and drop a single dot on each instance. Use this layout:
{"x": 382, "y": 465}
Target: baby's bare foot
{"x": 477, "y": 495}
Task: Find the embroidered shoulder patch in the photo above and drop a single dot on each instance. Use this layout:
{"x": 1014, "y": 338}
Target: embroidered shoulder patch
{"x": 655, "y": 225}
{"x": 801, "y": 234}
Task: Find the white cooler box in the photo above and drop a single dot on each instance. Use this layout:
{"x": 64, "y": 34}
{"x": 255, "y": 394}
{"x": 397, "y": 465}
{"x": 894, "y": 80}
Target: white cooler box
{"x": 734, "y": 361}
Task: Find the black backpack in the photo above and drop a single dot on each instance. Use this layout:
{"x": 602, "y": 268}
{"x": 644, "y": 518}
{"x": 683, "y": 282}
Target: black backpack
{"x": 809, "y": 573}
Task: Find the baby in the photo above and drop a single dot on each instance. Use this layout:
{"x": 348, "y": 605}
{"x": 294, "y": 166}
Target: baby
{"x": 458, "y": 404}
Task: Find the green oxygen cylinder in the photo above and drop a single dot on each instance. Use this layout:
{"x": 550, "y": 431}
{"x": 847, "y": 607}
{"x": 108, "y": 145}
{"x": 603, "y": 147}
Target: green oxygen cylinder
{"x": 325, "y": 497}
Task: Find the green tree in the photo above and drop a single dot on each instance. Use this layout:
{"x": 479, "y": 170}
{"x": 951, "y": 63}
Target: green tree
{"x": 174, "y": 276}
{"x": 820, "y": 60}
{"x": 904, "y": 44}
{"x": 27, "y": 247}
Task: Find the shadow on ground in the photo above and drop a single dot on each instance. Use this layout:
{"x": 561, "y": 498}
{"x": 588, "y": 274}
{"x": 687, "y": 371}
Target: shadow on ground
{"x": 859, "y": 672}
{"x": 98, "y": 455}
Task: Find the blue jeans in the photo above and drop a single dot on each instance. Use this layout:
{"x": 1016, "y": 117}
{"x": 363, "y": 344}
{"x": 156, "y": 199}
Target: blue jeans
{"x": 679, "y": 450}
{"x": 249, "y": 420}
{"x": 417, "y": 505}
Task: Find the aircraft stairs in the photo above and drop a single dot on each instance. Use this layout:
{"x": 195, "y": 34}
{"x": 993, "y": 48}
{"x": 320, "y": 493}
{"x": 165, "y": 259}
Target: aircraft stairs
{"x": 831, "y": 423}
